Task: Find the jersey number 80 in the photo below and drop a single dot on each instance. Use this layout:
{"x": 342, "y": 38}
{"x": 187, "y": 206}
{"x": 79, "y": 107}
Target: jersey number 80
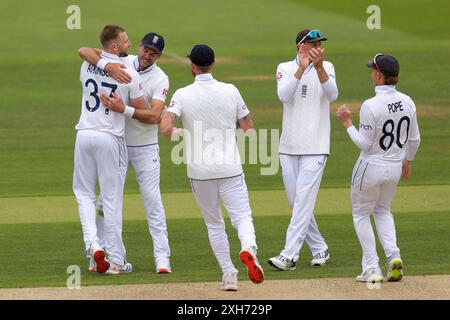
{"x": 388, "y": 133}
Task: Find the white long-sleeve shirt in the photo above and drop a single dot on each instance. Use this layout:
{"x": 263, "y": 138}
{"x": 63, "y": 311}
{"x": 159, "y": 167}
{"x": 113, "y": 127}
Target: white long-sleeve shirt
{"x": 209, "y": 110}
{"x": 155, "y": 85}
{"x": 306, "y": 108}
{"x": 95, "y": 81}
{"x": 388, "y": 129}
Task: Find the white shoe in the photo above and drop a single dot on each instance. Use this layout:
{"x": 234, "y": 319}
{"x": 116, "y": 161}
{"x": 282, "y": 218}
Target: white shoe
{"x": 282, "y": 263}
{"x": 115, "y": 269}
{"x": 320, "y": 259}
{"x": 163, "y": 265}
{"x": 372, "y": 275}
{"x": 254, "y": 271}
{"x": 395, "y": 270}
{"x": 229, "y": 282}
{"x": 97, "y": 259}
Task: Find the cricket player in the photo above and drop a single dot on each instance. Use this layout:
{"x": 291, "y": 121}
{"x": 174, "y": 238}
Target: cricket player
{"x": 142, "y": 138}
{"x": 389, "y": 138}
{"x": 101, "y": 154}
{"x": 305, "y": 86}
{"x": 209, "y": 110}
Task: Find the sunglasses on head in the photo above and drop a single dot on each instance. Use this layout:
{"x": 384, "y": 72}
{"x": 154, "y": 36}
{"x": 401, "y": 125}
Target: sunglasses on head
{"x": 313, "y": 34}
{"x": 375, "y": 61}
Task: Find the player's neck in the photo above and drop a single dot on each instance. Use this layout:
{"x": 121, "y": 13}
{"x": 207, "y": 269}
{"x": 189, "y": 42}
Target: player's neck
{"x": 111, "y": 52}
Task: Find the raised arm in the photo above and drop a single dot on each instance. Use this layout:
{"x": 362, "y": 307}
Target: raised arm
{"x": 90, "y": 55}
{"x": 115, "y": 70}
{"x": 364, "y": 137}
{"x": 327, "y": 76}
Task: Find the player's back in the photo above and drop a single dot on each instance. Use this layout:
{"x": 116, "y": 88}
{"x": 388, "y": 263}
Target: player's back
{"x": 394, "y": 117}
{"x": 212, "y": 103}
{"x": 94, "y": 115}
{"x": 210, "y": 111}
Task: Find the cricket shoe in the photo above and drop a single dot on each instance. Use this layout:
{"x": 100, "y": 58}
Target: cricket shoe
{"x": 92, "y": 264}
{"x": 115, "y": 269}
{"x": 97, "y": 260}
{"x": 372, "y": 275}
{"x": 254, "y": 271}
{"x": 320, "y": 259}
{"x": 395, "y": 270}
{"x": 229, "y": 282}
{"x": 163, "y": 265}
{"x": 282, "y": 263}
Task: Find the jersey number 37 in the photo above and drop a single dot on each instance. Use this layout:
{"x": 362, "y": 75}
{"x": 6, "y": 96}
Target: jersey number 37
{"x": 94, "y": 93}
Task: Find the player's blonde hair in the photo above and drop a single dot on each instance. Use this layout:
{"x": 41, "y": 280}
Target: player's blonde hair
{"x": 110, "y": 33}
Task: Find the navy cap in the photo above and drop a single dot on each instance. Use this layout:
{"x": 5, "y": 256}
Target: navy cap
{"x": 386, "y": 64}
{"x": 201, "y": 55}
{"x": 154, "y": 41}
{"x": 308, "y": 35}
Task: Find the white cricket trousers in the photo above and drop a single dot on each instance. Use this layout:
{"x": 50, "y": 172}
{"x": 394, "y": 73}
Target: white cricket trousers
{"x": 103, "y": 157}
{"x": 233, "y": 192}
{"x": 302, "y": 175}
{"x": 373, "y": 188}
{"x": 146, "y": 163}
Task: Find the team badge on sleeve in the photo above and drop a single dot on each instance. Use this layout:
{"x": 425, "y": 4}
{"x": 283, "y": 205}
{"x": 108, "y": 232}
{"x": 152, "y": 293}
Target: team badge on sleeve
{"x": 279, "y": 75}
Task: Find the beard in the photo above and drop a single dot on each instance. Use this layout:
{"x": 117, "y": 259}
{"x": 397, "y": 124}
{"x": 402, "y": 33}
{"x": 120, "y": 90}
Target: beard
{"x": 123, "y": 52}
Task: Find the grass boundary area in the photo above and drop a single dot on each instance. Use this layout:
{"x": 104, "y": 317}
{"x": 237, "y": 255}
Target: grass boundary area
{"x": 263, "y": 203}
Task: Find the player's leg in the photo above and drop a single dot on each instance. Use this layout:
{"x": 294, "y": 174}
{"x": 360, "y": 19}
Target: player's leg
{"x": 99, "y": 219}
{"x": 290, "y": 170}
{"x": 385, "y": 221}
{"x": 146, "y": 163}
{"x": 206, "y": 194}
{"x": 365, "y": 192}
{"x": 234, "y": 194}
{"x": 317, "y": 244}
{"x": 307, "y": 187}
{"x": 84, "y": 182}
{"x": 112, "y": 164}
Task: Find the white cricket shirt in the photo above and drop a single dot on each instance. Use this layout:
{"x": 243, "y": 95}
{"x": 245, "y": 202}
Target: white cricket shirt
{"x": 306, "y": 108}
{"x": 388, "y": 129}
{"x": 209, "y": 110}
{"x": 94, "y": 81}
{"x": 155, "y": 84}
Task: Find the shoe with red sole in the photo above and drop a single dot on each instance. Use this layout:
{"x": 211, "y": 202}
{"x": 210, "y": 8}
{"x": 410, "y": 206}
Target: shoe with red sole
{"x": 254, "y": 271}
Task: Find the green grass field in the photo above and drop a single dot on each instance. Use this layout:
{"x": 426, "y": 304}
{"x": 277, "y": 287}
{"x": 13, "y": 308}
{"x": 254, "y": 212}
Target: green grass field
{"x": 40, "y": 105}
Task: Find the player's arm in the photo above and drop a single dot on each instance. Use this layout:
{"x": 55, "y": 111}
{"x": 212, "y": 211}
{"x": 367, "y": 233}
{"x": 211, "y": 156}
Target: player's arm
{"x": 173, "y": 112}
{"x": 157, "y": 102}
{"x": 364, "y": 137}
{"x": 167, "y": 125}
{"x": 138, "y": 110}
{"x": 245, "y": 123}
{"x": 411, "y": 147}
{"x": 115, "y": 70}
{"x": 243, "y": 118}
{"x": 286, "y": 85}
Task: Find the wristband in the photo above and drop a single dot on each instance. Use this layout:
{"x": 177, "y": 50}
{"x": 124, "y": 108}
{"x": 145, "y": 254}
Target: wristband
{"x": 102, "y": 63}
{"x": 128, "y": 112}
